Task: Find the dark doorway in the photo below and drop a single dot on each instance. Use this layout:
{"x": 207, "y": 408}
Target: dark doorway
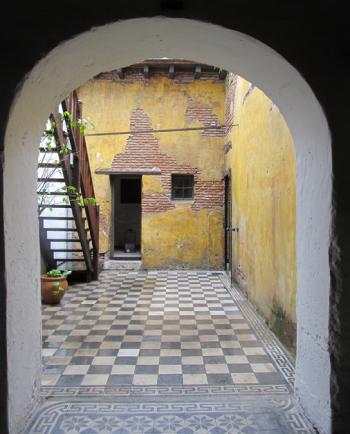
{"x": 127, "y": 217}
{"x": 228, "y": 226}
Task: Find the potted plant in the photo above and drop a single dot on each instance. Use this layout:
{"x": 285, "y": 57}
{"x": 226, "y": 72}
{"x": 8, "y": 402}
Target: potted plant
{"x": 53, "y": 286}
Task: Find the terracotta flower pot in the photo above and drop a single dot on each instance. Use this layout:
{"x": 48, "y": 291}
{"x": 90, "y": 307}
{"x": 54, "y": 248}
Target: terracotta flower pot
{"x": 49, "y": 290}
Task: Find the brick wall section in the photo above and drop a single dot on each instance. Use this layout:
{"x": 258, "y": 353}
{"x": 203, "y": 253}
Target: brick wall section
{"x": 181, "y": 77}
{"x": 230, "y": 98}
{"x": 142, "y": 152}
{"x": 204, "y": 114}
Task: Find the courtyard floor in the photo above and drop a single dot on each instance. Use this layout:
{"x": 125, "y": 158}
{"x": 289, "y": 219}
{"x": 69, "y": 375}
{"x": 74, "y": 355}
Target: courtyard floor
{"x": 162, "y": 352}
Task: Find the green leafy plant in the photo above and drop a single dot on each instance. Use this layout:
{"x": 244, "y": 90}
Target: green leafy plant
{"x": 81, "y": 123}
{"x": 49, "y": 146}
{"x": 58, "y": 273}
{"x": 86, "y": 201}
{"x": 73, "y": 194}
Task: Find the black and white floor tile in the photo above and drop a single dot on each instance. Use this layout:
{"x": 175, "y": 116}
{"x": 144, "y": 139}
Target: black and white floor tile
{"x": 162, "y": 351}
{"x": 155, "y": 328}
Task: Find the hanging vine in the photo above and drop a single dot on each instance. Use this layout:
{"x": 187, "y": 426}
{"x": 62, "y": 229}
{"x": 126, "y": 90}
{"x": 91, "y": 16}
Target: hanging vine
{"x": 50, "y": 165}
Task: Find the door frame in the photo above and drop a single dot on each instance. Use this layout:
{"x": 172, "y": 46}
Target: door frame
{"x": 228, "y": 224}
{"x": 113, "y": 179}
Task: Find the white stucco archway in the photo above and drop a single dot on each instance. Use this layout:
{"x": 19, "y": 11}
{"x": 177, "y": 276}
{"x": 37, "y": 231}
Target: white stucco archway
{"x": 127, "y": 42}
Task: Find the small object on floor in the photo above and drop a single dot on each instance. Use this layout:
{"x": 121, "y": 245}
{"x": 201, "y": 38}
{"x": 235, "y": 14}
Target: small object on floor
{"x": 130, "y": 241}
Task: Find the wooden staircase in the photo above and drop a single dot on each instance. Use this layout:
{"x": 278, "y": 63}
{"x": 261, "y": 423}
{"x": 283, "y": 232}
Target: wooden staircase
{"x": 69, "y": 232}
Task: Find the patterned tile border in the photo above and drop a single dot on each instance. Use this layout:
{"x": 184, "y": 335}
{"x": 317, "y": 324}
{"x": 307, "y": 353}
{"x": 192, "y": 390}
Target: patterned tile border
{"x": 279, "y": 416}
{"x": 160, "y": 391}
{"x": 243, "y": 409}
{"x": 273, "y": 347}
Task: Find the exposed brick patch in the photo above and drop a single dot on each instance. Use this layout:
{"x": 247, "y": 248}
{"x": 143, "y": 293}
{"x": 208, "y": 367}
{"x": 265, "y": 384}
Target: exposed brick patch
{"x": 188, "y": 77}
{"x": 142, "y": 153}
{"x": 208, "y": 194}
{"x": 230, "y": 99}
{"x": 196, "y": 112}
{"x": 155, "y": 202}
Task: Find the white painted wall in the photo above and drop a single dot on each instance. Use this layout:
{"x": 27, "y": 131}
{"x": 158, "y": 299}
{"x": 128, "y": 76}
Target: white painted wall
{"x": 123, "y": 43}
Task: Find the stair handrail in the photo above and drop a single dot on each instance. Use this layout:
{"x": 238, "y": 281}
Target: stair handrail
{"x": 69, "y": 174}
{"x": 79, "y": 147}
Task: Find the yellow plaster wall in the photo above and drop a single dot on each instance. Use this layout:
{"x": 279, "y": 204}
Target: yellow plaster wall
{"x": 262, "y": 163}
{"x": 109, "y": 106}
{"x": 151, "y": 184}
{"x": 182, "y": 238}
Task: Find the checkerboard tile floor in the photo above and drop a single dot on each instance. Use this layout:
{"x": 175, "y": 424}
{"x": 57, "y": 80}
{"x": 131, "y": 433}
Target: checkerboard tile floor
{"x": 152, "y": 328}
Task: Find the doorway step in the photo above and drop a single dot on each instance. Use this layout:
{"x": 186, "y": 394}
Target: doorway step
{"x": 115, "y": 264}
{"x": 122, "y": 255}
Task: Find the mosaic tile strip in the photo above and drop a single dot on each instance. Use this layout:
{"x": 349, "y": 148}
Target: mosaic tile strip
{"x": 172, "y": 320}
{"x": 159, "y": 391}
{"x": 263, "y": 416}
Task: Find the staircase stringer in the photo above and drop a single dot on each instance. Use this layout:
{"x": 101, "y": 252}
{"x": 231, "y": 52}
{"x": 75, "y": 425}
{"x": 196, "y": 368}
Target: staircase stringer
{"x": 70, "y": 178}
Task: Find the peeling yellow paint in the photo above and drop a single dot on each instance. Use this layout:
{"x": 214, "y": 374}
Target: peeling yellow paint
{"x": 109, "y": 106}
{"x": 262, "y": 163}
{"x": 182, "y": 238}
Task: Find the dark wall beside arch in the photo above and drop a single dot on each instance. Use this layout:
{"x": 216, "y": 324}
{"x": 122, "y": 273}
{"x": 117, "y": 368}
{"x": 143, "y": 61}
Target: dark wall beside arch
{"x": 312, "y": 36}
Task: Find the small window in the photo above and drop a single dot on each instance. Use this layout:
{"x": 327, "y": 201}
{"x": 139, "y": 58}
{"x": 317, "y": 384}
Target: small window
{"x": 182, "y": 187}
